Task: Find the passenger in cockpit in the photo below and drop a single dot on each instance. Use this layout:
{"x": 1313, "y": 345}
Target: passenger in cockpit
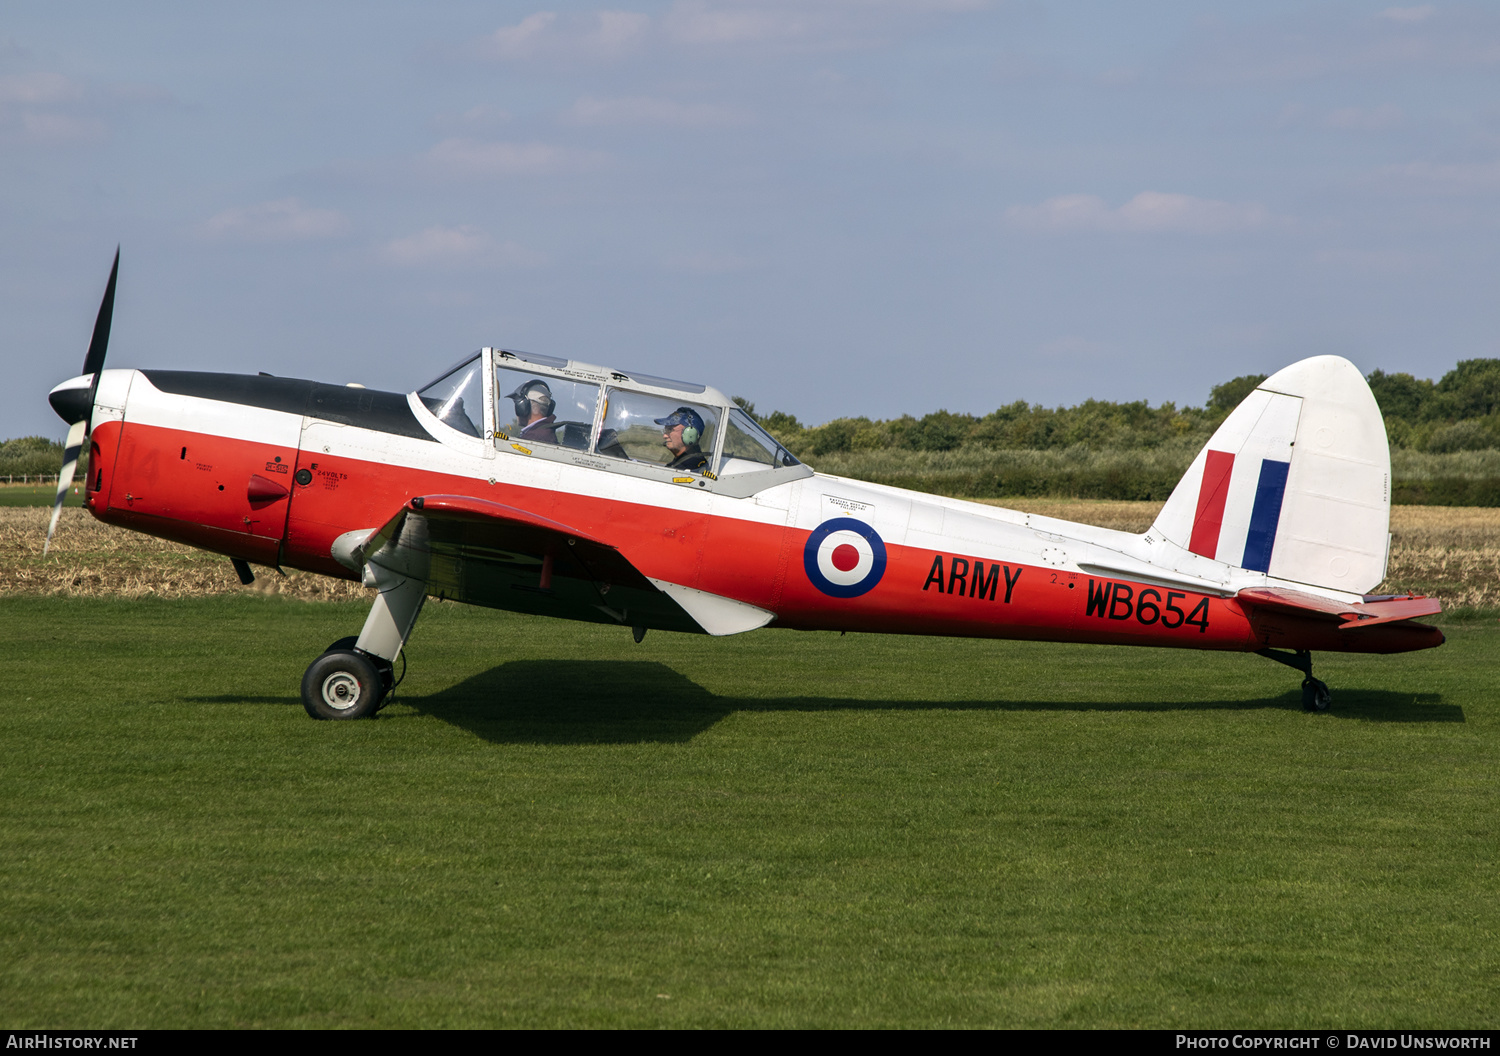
{"x": 534, "y": 406}
{"x": 680, "y": 433}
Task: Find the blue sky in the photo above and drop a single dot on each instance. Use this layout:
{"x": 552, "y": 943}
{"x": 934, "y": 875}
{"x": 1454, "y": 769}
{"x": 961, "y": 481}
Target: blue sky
{"x": 831, "y": 207}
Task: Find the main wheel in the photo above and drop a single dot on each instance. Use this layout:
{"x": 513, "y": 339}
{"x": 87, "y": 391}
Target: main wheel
{"x": 386, "y": 669}
{"x": 1315, "y": 695}
{"x": 342, "y": 685}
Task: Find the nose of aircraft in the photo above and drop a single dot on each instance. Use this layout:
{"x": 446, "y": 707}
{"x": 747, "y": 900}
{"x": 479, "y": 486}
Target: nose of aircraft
{"x": 73, "y": 399}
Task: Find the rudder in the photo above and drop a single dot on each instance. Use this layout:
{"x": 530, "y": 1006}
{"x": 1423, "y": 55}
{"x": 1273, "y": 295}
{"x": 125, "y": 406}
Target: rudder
{"x": 1295, "y": 483}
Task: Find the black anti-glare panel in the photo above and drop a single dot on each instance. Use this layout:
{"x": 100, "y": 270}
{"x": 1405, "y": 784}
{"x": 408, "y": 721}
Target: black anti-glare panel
{"x": 386, "y": 412}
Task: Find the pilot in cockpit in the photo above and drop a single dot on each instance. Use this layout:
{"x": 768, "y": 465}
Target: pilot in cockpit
{"x": 534, "y": 406}
{"x": 680, "y": 433}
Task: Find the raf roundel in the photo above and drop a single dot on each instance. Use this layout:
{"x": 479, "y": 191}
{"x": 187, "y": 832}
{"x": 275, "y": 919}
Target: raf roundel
{"x": 844, "y": 557}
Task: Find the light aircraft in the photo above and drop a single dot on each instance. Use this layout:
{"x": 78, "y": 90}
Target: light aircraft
{"x": 559, "y": 488}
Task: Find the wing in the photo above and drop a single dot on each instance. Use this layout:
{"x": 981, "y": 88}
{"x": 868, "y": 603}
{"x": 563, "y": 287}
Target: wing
{"x": 1371, "y": 611}
{"x": 485, "y": 553}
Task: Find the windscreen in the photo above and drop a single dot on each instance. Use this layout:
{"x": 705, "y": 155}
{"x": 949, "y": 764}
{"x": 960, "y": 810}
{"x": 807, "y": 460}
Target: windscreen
{"x": 747, "y": 446}
{"x": 457, "y": 398}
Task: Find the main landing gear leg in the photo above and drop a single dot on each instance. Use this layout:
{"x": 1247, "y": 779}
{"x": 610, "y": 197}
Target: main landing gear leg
{"x": 352, "y": 678}
{"x": 1315, "y": 694}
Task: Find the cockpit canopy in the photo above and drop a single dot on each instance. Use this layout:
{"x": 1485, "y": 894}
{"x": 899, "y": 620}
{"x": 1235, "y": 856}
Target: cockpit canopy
{"x": 539, "y": 405}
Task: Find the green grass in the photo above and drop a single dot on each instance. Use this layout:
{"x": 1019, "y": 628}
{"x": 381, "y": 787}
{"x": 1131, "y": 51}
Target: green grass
{"x": 38, "y": 495}
{"x": 556, "y": 827}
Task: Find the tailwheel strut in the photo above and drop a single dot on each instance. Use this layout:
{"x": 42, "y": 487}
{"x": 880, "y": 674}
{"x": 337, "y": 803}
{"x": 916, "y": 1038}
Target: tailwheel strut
{"x": 1315, "y": 693}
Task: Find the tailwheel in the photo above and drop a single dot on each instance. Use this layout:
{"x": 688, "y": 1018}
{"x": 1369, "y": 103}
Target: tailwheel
{"x": 1315, "y": 694}
{"x": 343, "y": 684}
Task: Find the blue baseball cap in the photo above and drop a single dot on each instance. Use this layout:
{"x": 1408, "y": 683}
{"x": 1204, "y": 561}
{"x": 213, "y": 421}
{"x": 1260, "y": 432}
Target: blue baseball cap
{"x": 682, "y": 416}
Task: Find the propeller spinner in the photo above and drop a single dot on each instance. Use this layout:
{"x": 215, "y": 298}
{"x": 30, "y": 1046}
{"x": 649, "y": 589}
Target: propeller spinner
{"x": 73, "y": 400}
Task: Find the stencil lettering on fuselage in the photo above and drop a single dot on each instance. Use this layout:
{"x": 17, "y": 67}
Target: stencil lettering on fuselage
{"x": 1108, "y": 600}
{"x": 837, "y": 506}
{"x": 844, "y": 557}
{"x": 971, "y": 578}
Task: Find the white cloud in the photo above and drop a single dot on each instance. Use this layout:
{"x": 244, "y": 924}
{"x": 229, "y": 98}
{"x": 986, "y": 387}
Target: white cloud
{"x": 695, "y": 22}
{"x": 524, "y": 38}
{"x": 831, "y": 23}
{"x": 476, "y": 117}
{"x": 51, "y": 108}
{"x": 618, "y": 31}
{"x": 1149, "y": 211}
{"x": 600, "y": 34}
{"x": 477, "y": 159}
{"x": 455, "y": 247}
{"x": 714, "y": 24}
{"x": 1408, "y": 14}
{"x": 639, "y": 110}
{"x": 55, "y": 128}
{"x": 284, "y": 220}
{"x": 437, "y": 245}
{"x": 34, "y": 88}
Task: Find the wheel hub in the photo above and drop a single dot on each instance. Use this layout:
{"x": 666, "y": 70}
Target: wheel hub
{"x": 341, "y": 690}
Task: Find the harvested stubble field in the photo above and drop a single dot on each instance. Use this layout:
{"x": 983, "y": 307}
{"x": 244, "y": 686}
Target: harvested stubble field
{"x": 1449, "y": 552}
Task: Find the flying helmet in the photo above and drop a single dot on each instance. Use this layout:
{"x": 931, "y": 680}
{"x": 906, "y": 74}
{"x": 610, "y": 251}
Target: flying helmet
{"x": 534, "y": 391}
{"x": 690, "y": 420}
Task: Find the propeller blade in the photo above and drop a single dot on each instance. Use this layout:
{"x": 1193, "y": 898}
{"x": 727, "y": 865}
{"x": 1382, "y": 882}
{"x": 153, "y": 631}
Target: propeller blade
{"x": 65, "y": 478}
{"x": 78, "y": 431}
{"x": 93, "y": 363}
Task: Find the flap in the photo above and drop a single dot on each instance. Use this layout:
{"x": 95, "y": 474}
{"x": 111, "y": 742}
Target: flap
{"x": 715, "y": 613}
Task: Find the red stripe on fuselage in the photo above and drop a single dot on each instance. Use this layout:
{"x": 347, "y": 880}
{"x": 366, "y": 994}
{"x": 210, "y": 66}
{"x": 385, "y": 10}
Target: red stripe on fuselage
{"x": 750, "y": 561}
{"x": 1208, "y": 520}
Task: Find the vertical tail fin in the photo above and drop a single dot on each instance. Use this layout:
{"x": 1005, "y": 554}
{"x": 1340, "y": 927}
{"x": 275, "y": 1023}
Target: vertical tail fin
{"x": 1295, "y": 483}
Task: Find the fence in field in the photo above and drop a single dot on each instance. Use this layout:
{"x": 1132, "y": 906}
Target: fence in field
{"x": 31, "y": 478}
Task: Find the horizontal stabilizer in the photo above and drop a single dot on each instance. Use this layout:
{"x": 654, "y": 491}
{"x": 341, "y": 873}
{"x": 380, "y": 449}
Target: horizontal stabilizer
{"x": 1355, "y": 615}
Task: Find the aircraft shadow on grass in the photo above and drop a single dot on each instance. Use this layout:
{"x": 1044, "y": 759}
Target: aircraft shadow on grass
{"x": 614, "y": 702}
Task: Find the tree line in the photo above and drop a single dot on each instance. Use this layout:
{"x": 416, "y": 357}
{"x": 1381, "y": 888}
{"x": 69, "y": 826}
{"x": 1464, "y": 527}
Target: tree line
{"x": 1459, "y": 412}
{"x": 30, "y": 456}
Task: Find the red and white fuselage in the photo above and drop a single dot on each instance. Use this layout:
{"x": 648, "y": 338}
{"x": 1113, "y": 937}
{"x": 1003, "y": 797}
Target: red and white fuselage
{"x": 293, "y": 474}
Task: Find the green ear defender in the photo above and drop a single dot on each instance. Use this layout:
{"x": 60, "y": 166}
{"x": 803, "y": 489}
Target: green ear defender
{"x": 690, "y": 420}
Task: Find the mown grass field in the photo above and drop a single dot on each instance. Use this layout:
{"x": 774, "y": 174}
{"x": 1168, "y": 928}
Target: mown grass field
{"x": 554, "y": 826}
{"x": 38, "y": 495}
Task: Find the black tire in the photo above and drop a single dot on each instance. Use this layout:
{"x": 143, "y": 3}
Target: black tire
{"x": 1316, "y": 695}
{"x": 342, "y": 685}
{"x": 343, "y": 645}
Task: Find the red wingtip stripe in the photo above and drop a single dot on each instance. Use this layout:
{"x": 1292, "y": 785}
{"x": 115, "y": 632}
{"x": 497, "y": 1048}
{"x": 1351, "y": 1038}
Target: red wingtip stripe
{"x": 1212, "y": 493}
